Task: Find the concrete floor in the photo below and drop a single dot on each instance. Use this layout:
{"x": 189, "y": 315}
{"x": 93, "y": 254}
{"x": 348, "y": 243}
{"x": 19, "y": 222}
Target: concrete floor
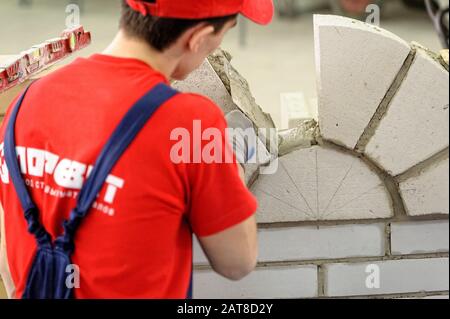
{"x": 277, "y": 59}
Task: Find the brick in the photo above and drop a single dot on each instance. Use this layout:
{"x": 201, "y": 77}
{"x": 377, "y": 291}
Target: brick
{"x": 321, "y": 184}
{"x": 324, "y": 242}
{"x": 427, "y": 193}
{"x": 206, "y": 82}
{"x": 420, "y": 237}
{"x": 273, "y": 282}
{"x": 356, "y": 65}
{"x": 397, "y": 276}
{"x": 416, "y": 125}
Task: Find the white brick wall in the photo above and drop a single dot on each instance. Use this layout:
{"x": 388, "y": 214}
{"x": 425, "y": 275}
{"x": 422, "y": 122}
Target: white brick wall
{"x": 274, "y": 282}
{"x": 399, "y": 276}
{"x": 420, "y": 237}
{"x": 308, "y": 243}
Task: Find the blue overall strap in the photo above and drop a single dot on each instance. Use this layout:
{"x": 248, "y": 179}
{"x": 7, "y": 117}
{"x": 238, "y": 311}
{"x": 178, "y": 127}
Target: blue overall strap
{"x": 30, "y": 210}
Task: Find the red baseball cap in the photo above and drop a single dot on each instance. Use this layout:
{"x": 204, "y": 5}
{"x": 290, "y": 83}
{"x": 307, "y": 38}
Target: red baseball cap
{"x": 259, "y": 11}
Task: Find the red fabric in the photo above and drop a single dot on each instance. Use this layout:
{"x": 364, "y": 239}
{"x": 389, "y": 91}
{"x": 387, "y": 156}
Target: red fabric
{"x": 136, "y": 242}
{"x": 259, "y": 11}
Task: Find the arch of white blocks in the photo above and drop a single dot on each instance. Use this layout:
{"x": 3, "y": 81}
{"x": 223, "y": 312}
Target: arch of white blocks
{"x": 319, "y": 183}
{"x": 381, "y": 146}
{"x": 387, "y": 100}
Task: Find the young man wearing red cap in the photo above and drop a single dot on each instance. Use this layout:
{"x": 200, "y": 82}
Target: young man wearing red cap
{"x": 136, "y": 241}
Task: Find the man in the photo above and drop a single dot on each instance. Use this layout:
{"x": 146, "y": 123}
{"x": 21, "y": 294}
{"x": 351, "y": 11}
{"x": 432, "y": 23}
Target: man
{"x": 136, "y": 241}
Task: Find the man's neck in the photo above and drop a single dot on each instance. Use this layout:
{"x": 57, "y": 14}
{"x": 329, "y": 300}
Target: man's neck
{"x": 127, "y": 47}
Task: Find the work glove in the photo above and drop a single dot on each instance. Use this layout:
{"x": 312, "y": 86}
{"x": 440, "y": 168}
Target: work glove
{"x": 248, "y": 147}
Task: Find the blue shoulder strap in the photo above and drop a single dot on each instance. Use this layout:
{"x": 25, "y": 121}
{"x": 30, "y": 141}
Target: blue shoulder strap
{"x": 123, "y": 136}
{"x": 28, "y": 206}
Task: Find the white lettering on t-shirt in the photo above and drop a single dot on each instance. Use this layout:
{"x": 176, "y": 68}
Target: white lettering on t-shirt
{"x": 113, "y": 184}
{"x": 66, "y": 173}
{"x": 69, "y": 174}
{"x": 22, "y": 159}
{"x": 51, "y": 160}
{"x": 36, "y": 162}
{"x": 3, "y": 169}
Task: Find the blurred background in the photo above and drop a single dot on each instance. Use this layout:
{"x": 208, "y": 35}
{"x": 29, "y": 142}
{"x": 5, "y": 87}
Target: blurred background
{"x": 276, "y": 60}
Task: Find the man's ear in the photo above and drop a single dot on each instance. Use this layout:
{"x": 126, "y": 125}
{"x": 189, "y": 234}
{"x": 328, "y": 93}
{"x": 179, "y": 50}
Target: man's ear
{"x": 199, "y": 35}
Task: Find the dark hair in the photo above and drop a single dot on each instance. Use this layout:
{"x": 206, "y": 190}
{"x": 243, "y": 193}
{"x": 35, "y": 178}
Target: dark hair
{"x": 161, "y": 33}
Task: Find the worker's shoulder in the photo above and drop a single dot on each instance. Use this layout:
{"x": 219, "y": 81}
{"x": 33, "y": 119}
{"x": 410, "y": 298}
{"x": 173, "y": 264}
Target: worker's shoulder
{"x": 60, "y": 76}
{"x": 196, "y": 106}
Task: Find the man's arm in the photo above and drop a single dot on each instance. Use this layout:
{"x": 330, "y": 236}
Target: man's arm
{"x": 4, "y": 266}
{"x": 233, "y": 253}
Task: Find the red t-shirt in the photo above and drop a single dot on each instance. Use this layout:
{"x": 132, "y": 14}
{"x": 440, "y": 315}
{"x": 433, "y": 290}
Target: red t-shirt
{"x": 136, "y": 240}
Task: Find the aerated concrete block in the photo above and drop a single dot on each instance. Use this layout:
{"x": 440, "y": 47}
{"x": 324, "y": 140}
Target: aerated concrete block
{"x": 324, "y": 242}
{"x": 270, "y": 282}
{"x": 387, "y": 277}
{"x": 321, "y": 184}
{"x": 416, "y": 124}
{"x": 356, "y": 65}
{"x": 243, "y": 99}
{"x": 218, "y": 80}
{"x": 206, "y": 82}
{"x": 420, "y": 237}
{"x": 428, "y": 192}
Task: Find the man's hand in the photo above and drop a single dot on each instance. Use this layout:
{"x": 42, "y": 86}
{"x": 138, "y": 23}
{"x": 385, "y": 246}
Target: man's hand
{"x": 243, "y": 137}
{"x": 248, "y": 147}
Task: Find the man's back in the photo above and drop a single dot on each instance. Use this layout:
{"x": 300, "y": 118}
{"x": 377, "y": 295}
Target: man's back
{"x": 136, "y": 242}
